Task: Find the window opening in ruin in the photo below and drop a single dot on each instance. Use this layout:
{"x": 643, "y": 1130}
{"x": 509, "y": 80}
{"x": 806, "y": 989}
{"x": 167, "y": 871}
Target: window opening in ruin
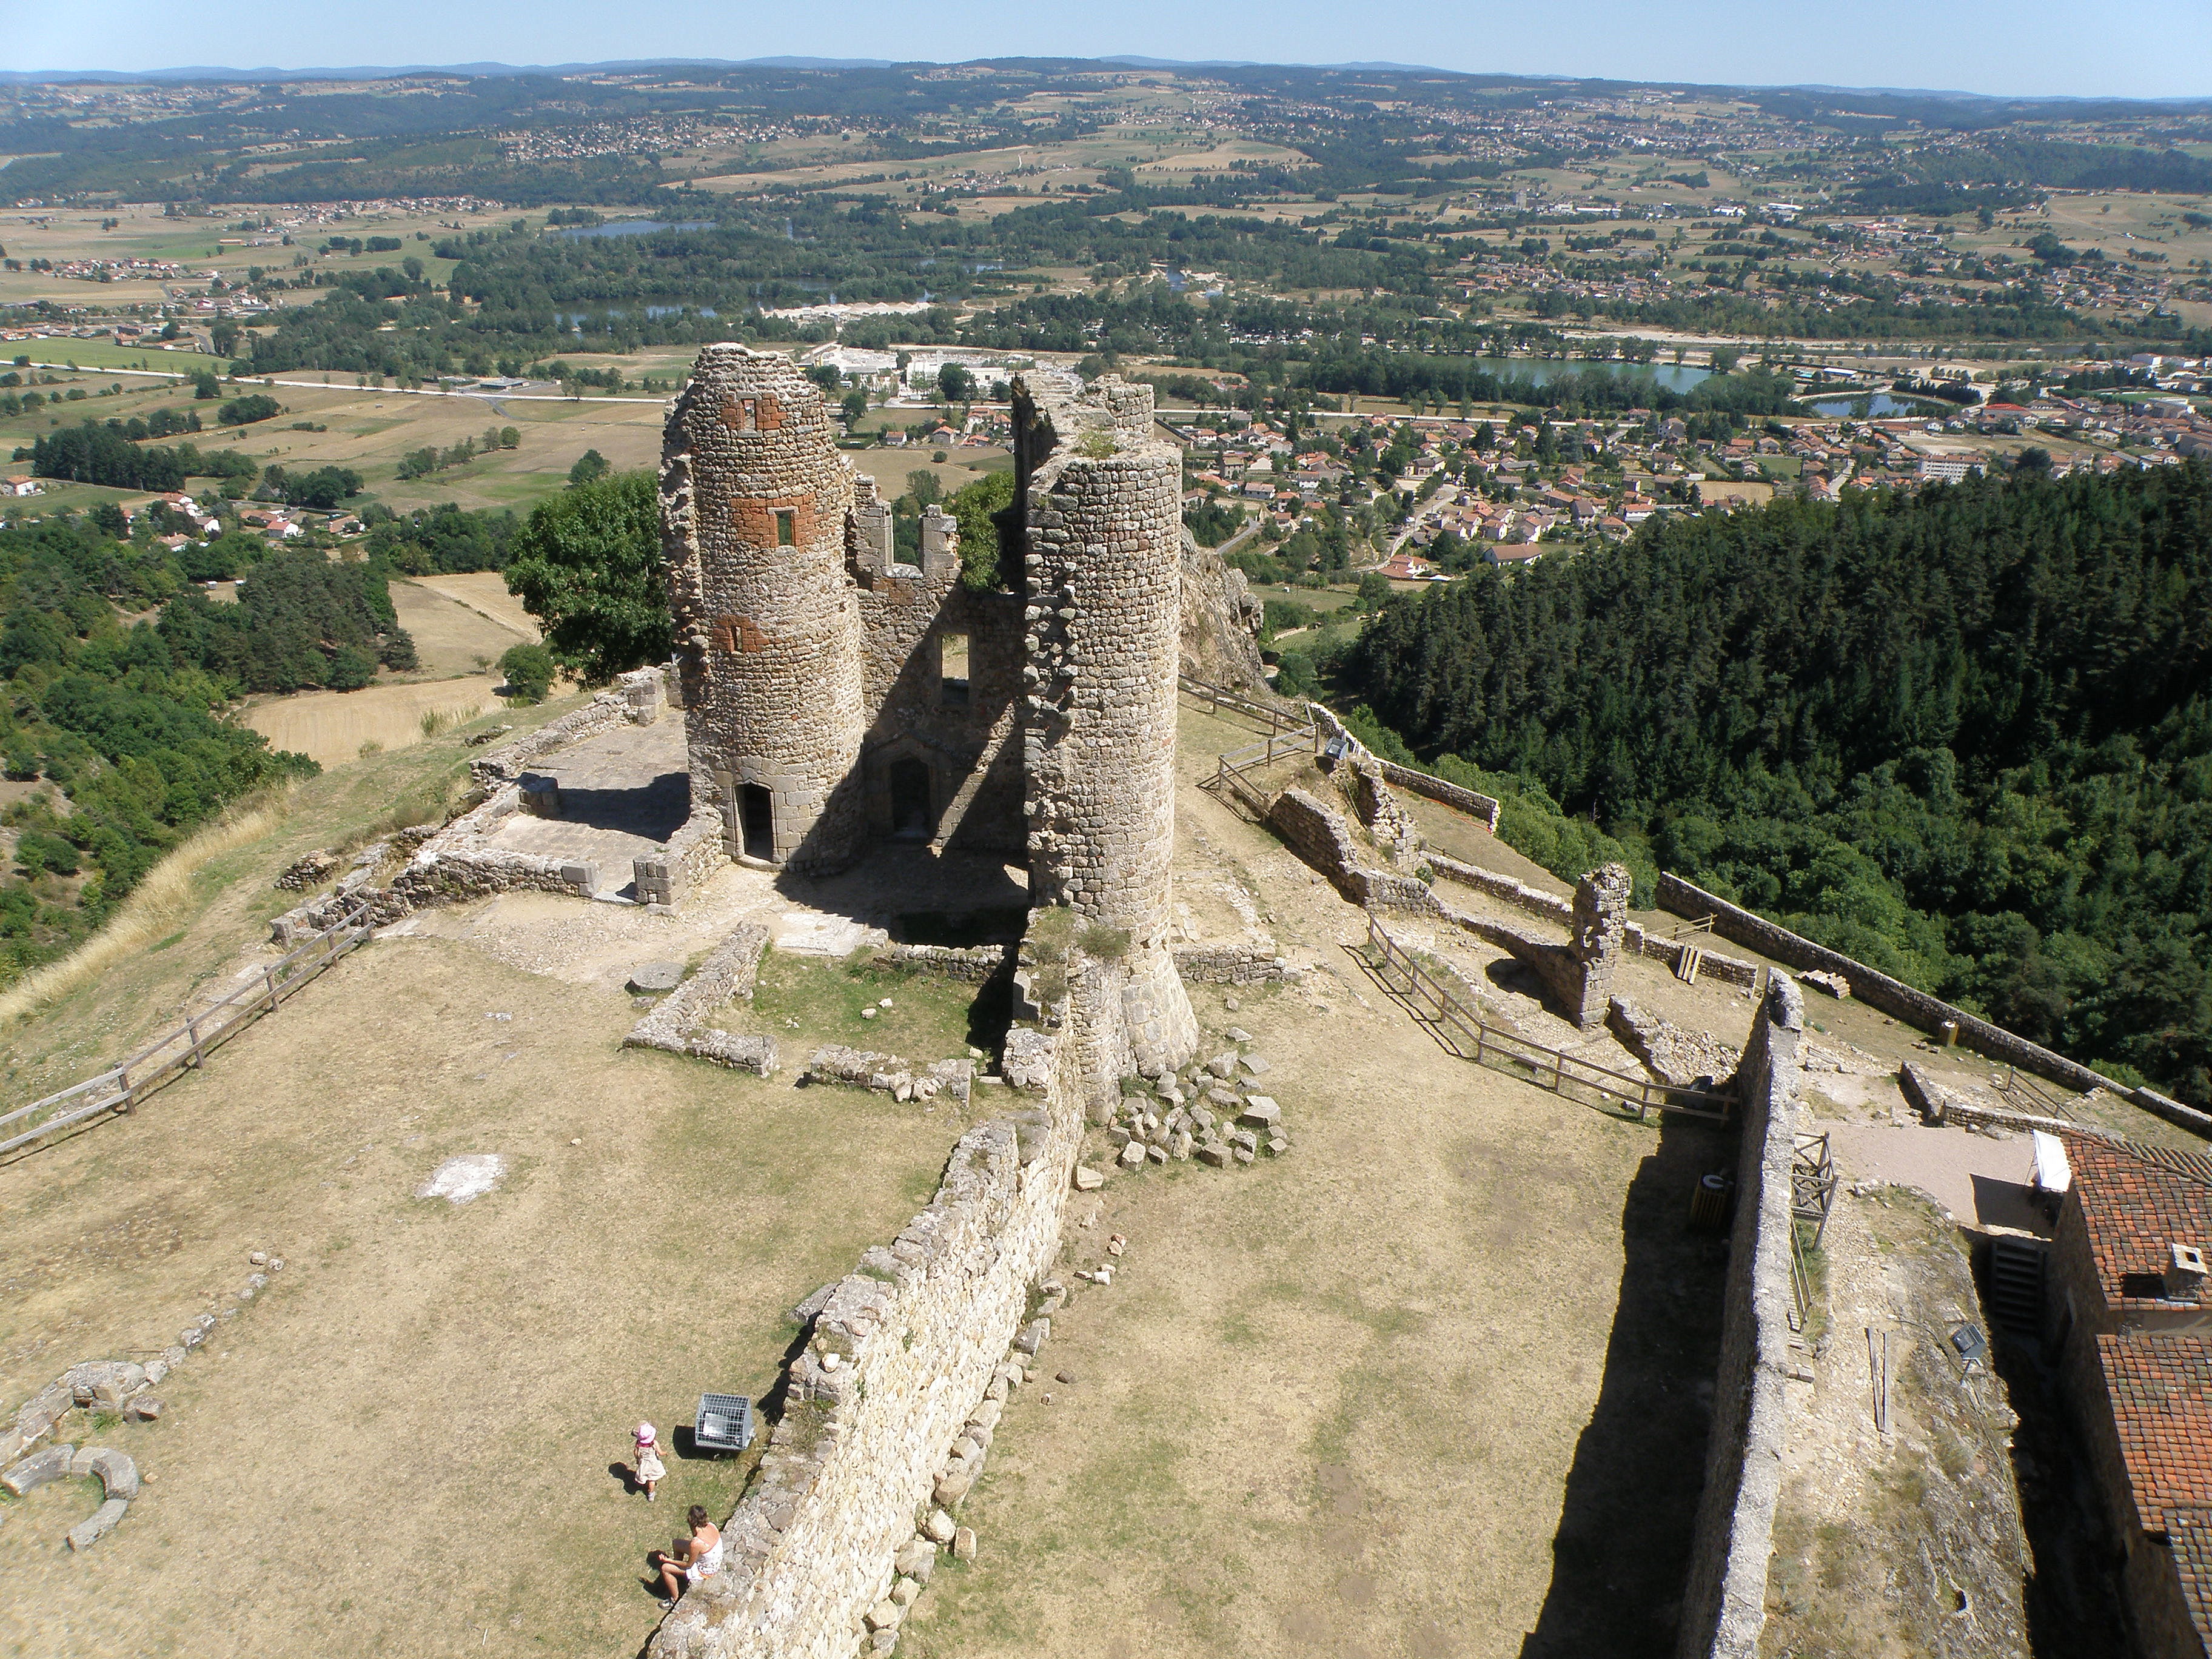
{"x": 909, "y": 781}
{"x": 787, "y": 527}
{"x": 952, "y": 669}
{"x": 756, "y": 822}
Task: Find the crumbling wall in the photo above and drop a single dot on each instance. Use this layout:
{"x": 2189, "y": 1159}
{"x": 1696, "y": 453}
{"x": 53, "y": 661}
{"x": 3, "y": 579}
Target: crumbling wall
{"x": 1319, "y": 835}
{"x": 898, "y": 1361}
{"x": 1481, "y": 808}
{"x": 679, "y": 1023}
{"x": 1724, "y": 1601}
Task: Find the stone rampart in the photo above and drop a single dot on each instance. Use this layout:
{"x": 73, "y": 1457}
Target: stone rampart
{"x": 894, "y": 1372}
{"x": 1915, "y": 1008}
{"x": 1724, "y": 1601}
{"x": 1320, "y": 835}
{"x": 972, "y": 964}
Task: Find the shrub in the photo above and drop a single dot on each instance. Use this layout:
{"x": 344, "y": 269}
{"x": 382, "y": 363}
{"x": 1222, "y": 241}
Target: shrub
{"x": 528, "y": 670}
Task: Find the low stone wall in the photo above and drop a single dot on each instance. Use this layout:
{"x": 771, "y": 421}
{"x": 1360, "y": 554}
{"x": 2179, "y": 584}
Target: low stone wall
{"x": 1732, "y": 970}
{"x": 1481, "y": 808}
{"x": 675, "y": 1026}
{"x": 1233, "y": 965}
{"x": 893, "y": 1379}
{"x": 1319, "y": 835}
{"x": 1504, "y": 889}
{"x": 1915, "y": 1008}
{"x": 971, "y": 964}
{"x": 511, "y": 760}
{"x": 1724, "y": 1601}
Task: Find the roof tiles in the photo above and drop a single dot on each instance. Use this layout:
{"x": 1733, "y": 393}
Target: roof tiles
{"x": 2136, "y": 1203}
{"x": 2160, "y": 1386}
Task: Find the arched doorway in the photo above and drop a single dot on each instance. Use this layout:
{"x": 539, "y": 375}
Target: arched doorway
{"x": 911, "y": 817}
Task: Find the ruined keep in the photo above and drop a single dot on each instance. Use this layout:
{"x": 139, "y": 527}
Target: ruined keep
{"x": 835, "y": 697}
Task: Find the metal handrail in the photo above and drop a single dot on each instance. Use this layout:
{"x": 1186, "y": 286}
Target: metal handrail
{"x": 1550, "y": 1068}
{"x": 121, "y": 1087}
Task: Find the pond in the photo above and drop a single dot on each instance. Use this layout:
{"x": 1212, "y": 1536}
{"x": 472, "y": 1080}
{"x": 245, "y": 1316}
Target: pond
{"x": 1879, "y": 405}
{"x": 634, "y": 228}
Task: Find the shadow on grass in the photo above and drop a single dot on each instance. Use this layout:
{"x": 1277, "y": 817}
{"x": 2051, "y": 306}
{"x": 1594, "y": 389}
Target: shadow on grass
{"x": 1622, "y": 1551}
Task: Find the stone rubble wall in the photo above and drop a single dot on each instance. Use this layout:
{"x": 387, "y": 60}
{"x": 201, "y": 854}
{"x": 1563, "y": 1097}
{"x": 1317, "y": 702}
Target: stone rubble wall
{"x": 971, "y": 964}
{"x": 511, "y": 760}
{"x": 1724, "y": 1601}
{"x": 1481, "y": 808}
{"x": 1319, "y": 835}
{"x": 1235, "y": 964}
{"x": 1676, "y": 1056}
{"x": 459, "y": 862}
{"x": 895, "y": 1369}
{"x": 1915, "y": 1008}
{"x": 1504, "y": 889}
{"x": 677, "y": 1025}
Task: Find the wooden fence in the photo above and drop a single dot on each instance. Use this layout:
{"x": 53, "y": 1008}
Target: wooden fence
{"x": 1221, "y": 700}
{"x": 1567, "y": 1075}
{"x": 122, "y": 1087}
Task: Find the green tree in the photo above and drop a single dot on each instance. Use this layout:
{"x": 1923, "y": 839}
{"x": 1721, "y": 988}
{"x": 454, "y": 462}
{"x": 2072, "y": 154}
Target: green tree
{"x": 1374, "y": 591}
{"x": 590, "y": 465}
{"x": 954, "y": 384}
{"x": 854, "y": 405}
{"x": 588, "y": 565}
{"x": 528, "y": 670}
{"x": 921, "y": 484}
{"x": 980, "y": 508}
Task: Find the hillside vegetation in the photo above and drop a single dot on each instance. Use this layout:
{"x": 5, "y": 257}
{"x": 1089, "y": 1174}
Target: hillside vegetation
{"x": 1966, "y": 737}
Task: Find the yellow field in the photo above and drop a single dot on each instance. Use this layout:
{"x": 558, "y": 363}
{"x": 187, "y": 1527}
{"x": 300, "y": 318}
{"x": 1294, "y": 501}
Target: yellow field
{"x": 330, "y": 727}
{"x": 484, "y": 592}
{"x": 453, "y": 635}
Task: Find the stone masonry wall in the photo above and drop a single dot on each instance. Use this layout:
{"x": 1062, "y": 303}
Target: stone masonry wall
{"x": 754, "y": 500}
{"x": 1481, "y": 808}
{"x": 1915, "y": 1008}
{"x": 1103, "y": 573}
{"x": 898, "y": 1360}
{"x": 1724, "y": 1601}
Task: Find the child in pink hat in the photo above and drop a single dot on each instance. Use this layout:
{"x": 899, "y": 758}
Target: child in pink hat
{"x": 651, "y": 1470}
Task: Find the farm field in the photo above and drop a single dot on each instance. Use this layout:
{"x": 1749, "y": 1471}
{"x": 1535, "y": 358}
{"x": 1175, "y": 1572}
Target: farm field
{"x": 333, "y": 727}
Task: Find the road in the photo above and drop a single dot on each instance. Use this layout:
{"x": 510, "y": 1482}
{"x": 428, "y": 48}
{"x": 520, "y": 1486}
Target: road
{"x": 181, "y": 377}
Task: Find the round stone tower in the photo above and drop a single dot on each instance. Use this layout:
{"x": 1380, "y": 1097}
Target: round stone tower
{"x": 754, "y": 501}
{"x": 1104, "y": 578}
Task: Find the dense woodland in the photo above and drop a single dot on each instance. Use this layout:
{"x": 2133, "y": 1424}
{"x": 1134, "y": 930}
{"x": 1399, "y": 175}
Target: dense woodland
{"x": 1966, "y": 737}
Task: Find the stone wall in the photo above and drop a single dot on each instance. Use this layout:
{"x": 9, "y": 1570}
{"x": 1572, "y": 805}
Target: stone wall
{"x": 1724, "y": 1601}
{"x": 511, "y": 760}
{"x": 1504, "y": 889}
{"x": 754, "y": 505}
{"x": 679, "y": 1024}
{"x": 459, "y": 863}
{"x": 896, "y": 1367}
{"x": 1319, "y": 835}
{"x": 1103, "y": 573}
{"x": 1481, "y": 808}
{"x": 1915, "y": 1008}
{"x": 1234, "y": 964}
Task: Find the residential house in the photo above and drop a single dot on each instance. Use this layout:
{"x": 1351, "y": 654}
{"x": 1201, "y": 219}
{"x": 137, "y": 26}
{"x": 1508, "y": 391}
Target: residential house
{"x": 19, "y": 483}
{"x": 2129, "y": 1310}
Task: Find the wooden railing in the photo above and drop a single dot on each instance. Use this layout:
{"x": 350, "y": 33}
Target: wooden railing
{"x": 1222, "y": 700}
{"x": 1568, "y": 1075}
{"x": 120, "y": 1088}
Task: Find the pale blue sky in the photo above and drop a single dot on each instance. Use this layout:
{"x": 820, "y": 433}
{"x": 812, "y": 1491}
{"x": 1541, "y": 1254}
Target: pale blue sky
{"x": 2148, "y": 48}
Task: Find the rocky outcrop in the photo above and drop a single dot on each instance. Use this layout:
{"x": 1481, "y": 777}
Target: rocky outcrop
{"x": 1220, "y": 621}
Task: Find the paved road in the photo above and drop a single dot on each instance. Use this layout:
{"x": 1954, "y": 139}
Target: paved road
{"x": 181, "y": 375}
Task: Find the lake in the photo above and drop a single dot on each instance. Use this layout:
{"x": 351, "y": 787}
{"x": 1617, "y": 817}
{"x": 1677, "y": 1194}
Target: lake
{"x": 634, "y": 228}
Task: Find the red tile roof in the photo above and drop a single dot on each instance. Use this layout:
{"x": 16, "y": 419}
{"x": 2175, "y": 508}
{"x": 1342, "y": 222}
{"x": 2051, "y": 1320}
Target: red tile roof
{"x": 2136, "y": 1203}
{"x": 2191, "y": 1533}
{"x": 2160, "y": 1386}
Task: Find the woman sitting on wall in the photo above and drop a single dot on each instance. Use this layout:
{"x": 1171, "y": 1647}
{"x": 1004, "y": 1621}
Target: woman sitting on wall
{"x": 690, "y": 1559}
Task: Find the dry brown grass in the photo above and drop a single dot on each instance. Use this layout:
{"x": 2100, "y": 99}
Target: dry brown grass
{"x": 168, "y": 896}
{"x": 331, "y": 727}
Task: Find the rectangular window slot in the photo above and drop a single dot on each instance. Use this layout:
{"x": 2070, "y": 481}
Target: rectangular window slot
{"x": 787, "y": 526}
{"x": 952, "y": 669}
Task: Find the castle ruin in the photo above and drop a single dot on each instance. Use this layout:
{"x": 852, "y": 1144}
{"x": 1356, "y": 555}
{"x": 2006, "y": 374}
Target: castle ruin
{"x": 836, "y": 698}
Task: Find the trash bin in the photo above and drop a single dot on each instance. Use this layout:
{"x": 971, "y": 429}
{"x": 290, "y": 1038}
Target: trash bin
{"x": 1709, "y": 1203}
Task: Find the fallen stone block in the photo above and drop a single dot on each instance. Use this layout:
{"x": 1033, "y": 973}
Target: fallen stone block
{"x": 1214, "y": 1154}
{"x": 655, "y": 976}
{"x": 86, "y": 1533}
{"x": 1133, "y": 1153}
{"x": 1224, "y": 1065}
{"x": 940, "y": 1527}
{"x": 1088, "y": 1180}
{"x": 143, "y": 1410}
{"x": 119, "y": 1474}
{"x": 1260, "y": 1113}
{"x": 38, "y": 1468}
{"x": 1034, "y": 1335}
{"x": 964, "y": 1544}
{"x": 916, "y": 1560}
